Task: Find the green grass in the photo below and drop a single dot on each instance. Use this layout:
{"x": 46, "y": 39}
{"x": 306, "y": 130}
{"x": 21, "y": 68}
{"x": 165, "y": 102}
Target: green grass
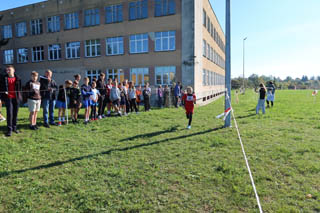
{"x": 151, "y": 163}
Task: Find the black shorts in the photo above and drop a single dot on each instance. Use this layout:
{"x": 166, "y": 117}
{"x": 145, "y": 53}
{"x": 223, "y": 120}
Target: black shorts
{"x": 107, "y": 100}
{"x": 74, "y": 104}
{"x": 116, "y": 102}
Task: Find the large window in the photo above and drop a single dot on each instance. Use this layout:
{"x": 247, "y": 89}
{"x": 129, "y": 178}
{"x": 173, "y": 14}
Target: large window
{"x": 53, "y": 23}
{"x": 138, "y": 9}
{"x": 21, "y": 29}
{"x": 165, "y": 7}
{"x": 22, "y": 55}
{"x": 204, "y": 19}
{"x": 139, "y": 75}
{"x": 139, "y": 43}
{"x": 54, "y": 52}
{"x": 204, "y": 48}
{"x": 92, "y": 48}
{"x": 204, "y": 77}
{"x": 6, "y": 31}
{"x": 37, "y": 54}
{"x": 165, "y": 75}
{"x": 114, "y": 14}
{"x": 165, "y": 41}
{"x": 91, "y": 74}
{"x": 73, "y": 50}
{"x": 114, "y": 46}
{"x": 36, "y": 26}
{"x": 115, "y": 74}
{"x": 8, "y": 57}
{"x": 91, "y": 17}
{"x": 71, "y": 21}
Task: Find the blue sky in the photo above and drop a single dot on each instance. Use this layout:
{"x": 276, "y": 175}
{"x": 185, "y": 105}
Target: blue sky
{"x": 283, "y": 35}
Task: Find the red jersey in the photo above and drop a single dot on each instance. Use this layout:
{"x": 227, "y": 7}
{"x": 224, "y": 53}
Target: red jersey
{"x": 11, "y": 88}
{"x": 189, "y": 100}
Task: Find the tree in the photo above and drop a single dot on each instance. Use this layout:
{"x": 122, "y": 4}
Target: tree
{"x": 304, "y": 78}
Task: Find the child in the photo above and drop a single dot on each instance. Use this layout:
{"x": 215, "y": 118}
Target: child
{"x": 261, "y": 101}
{"x": 270, "y": 96}
{"x": 160, "y": 96}
{"x": 86, "y": 93}
{"x": 189, "y": 100}
{"x": 132, "y": 97}
{"x": 123, "y": 94}
{"x": 139, "y": 97}
{"x": 115, "y": 97}
{"x": 34, "y": 99}
{"x": 93, "y": 101}
{"x": 1, "y": 116}
{"x": 75, "y": 101}
{"x": 107, "y": 99}
{"x": 166, "y": 96}
{"x": 146, "y": 97}
{"x": 61, "y": 102}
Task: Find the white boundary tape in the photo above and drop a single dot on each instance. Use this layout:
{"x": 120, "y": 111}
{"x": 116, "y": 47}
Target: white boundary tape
{"x": 245, "y": 157}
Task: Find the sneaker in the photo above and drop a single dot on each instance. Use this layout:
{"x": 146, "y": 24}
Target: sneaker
{"x": 8, "y": 134}
{"x": 92, "y": 119}
{"x": 189, "y": 127}
{"x": 36, "y": 127}
{"x": 54, "y": 124}
{"x": 103, "y": 116}
{"x": 96, "y": 119}
{"x": 59, "y": 123}
{"x": 46, "y": 125}
{"x": 16, "y": 131}
{"x": 2, "y": 119}
{"x": 100, "y": 117}
{"x": 31, "y": 127}
{"x": 86, "y": 122}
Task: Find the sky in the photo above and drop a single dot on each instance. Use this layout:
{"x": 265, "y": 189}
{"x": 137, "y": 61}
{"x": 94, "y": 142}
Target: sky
{"x": 282, "y": 35}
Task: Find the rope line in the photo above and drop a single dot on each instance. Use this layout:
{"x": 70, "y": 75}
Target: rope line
{"x": 245, "y": 157}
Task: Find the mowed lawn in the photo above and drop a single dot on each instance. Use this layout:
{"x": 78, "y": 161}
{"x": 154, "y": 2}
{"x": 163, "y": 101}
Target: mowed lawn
{"x": 151, "y": 163}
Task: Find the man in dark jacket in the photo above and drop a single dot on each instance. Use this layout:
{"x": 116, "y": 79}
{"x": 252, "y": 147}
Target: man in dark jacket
{"x": 48, "y": 89}
{"x": 101, "y": 86}
{"x": 11, "y": 95}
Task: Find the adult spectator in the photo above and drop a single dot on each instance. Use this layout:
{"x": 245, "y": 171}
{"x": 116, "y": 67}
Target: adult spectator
{"x": 48, "y": 89}
{"x": 177, "y": 94}
{"x": 101, "y": 86}
{"x": 270, "y": 95}
{"x": 11, "y": 94}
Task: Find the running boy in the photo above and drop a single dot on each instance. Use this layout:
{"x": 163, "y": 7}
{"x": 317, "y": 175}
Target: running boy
{"x": 189, "y": 100}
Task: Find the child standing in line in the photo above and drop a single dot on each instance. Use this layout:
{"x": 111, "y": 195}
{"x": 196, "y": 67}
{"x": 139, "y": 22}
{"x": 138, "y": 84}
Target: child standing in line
{"x": 75, "y": 101}
{"x": 61, "y": 102}
{"x": 34, "y": 99}
{"x": 94, "y": 100}
{"x": 86, "y": 93}
{"x": 132, "y": 97}
{"x": 261, "y": 101}
{"x": 107, "y": 99}
{"x": 160, "y": 96}
{"x": 166, "y": 95}
{"x": 189, "y": 100}
{"x": 139, "y": 96}
{"x": 146, "y": 97}
{"x": 115, "y": 97}
{"x": 123, "y": 99}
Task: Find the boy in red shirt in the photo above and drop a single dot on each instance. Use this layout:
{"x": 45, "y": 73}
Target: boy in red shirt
{"x": 189, "y": 100}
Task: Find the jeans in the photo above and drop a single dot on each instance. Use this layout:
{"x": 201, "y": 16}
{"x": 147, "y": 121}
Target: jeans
{"x": 160, "y": 101}
{"x": 12, "y": 114}
{"x": 48, "y": 109}
{"x": 261, "y": 104}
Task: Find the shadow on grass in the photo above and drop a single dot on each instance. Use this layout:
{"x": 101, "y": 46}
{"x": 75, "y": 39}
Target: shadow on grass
{"x": 246, "y": 116}
{"x": 151, "y": 134}
{"x": 59, "y": 163}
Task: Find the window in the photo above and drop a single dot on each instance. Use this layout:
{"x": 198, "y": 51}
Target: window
{"x": 204, "y": 51}
{"x": 114, "y": 14}
{"x": 21, "y": 29}
{"x": 8, "y": 57}
{"x": 91, "y": 17}
{"x": 165, "y": 41}
{"x": 71, "y": 21}
{"x": 22, "y": 55}
{"x": 165, "y": 75}
{"x": 37, "y": 54}
{"x": 204, "y": 77}
{"x": 93, "y": 74}
{"x": 114, "y": 46}
{"x": 139, "y": 75}
{"x": 36, "y": 27}
{"x": 165, "y": 7}
{"x": 54, "y": 52}
{"x": 115, "y": 74}
{"x": 53, "y": 23}
{"x": 211, "y": 30}
{"x": 209, "y": 25}
{"x": 139, "y": 43}
{"x": 208, "y": 51}
{"x": 138, "y": 10}
{"x": 73, "y": 50}
{"x": 211, "y": 54}
{"x": 204, "y": 19}
{"x": 6, "y": 31}
{"x": 92, "y": 48}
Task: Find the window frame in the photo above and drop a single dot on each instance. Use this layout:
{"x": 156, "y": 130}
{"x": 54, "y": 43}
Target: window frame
{"x": 21, "y": 28}
{"x": 112, "y": 41}
{"x": 162, "y": 39}
{"x": 53, "y": 25}
{"x": 55, "y": 52}
{"x": 76, "y": 49}
{"x": 94, "y": 47}
{"x": 8, "y": 54}
{"x": 20, "y": 56}
{"x": 6, "y": 31}
{"x": 143, "y": 71}
{"x": 116, "y": 12}
{"x": 139, "y": 39}
{"x": 39, "y": 54}
{"x": 165, "y": 70}
{"x": 94, "y": 17}
{"x": 71, "y": 21}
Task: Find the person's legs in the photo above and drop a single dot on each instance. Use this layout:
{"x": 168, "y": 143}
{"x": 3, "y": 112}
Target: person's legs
{"x": 52, "y": 104}
{"x": 45, "y": 106}
{"x": 263, "y": 106}
{"x": 15, "y": 114}
{"x": 190, "y": 119}
{"x": 9, "y": 108}
{"x": 258, "y": 107}
{"x": 268, "y": 103}
{"x": 271, "y": 103}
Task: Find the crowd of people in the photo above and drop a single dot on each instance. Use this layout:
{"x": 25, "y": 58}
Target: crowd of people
{"x": 95, "y": 97}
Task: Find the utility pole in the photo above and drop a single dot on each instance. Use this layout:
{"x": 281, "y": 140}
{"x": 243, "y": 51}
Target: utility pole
{"x": 228, "y": 64}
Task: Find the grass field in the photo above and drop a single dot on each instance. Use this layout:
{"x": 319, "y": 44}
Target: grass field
{"x": 151, "y": 163}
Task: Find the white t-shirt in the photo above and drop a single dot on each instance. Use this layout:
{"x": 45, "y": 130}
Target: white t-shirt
{"x": 95, "y": 94}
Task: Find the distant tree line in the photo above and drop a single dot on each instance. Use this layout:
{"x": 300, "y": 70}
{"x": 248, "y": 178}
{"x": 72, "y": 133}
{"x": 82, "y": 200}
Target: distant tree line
{"x": 254, "y": 80}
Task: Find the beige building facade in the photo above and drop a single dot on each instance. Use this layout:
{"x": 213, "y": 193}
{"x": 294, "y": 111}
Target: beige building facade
{"x": 155, "y": 41}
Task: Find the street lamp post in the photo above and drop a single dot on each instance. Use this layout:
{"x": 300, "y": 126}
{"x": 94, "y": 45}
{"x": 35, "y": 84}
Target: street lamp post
{"x": 243, "y": 87}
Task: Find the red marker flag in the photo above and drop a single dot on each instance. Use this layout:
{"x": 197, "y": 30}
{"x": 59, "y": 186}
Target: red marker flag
{"x": 224, "y": 114}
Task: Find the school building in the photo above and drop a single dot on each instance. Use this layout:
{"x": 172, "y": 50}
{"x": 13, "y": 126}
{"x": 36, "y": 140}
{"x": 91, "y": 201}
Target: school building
{"x": 155, "y": 41}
